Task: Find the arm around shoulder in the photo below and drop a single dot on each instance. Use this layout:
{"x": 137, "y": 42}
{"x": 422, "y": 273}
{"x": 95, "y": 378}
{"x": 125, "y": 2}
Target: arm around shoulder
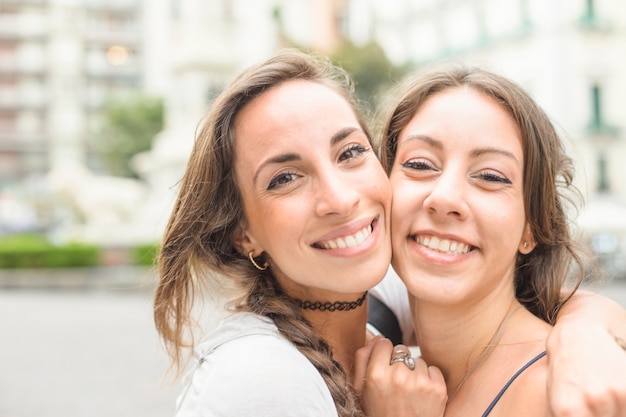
{"x": 587, "y": 365}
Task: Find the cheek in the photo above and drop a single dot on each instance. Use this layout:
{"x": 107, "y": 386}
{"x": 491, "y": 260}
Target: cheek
{"x": 372, "y": 178}
{"x": 384, "y": 191}
{"x": 405, "y": 208}
{"x": 505, "y": 221}
{"x": 408, "y": 198}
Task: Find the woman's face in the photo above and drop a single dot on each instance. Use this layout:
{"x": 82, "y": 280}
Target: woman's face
{"x": 315, "y": 196}
{"x": 458, "y": 209}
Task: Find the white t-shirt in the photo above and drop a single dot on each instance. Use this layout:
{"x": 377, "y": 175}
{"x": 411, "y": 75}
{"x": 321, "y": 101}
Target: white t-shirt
{"x": 244, "y": 367}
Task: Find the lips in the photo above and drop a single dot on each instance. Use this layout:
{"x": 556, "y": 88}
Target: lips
{"x": 348, "y": 241}
{"x": 448, "y": 246}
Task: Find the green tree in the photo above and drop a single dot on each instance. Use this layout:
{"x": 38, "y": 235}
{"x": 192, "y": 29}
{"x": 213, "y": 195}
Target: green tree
{"x": 130, "y": 126}
{"x": 370, "y": 69}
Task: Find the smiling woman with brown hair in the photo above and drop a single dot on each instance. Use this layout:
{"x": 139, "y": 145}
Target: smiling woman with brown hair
{"x": 480, "y": 237}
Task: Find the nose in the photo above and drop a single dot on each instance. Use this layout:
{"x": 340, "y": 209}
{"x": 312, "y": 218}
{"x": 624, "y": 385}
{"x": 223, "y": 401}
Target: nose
{"x": 337, "y": 194}
{"x": 447, "y": 197}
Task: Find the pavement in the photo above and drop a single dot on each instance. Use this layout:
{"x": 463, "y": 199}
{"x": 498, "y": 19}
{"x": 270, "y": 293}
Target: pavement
{"x": 82, "y": 343}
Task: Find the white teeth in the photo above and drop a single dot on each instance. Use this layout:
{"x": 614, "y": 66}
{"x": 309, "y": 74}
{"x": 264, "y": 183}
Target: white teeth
{"x": 348, "y": 241}
{"x": 443, "y": 245}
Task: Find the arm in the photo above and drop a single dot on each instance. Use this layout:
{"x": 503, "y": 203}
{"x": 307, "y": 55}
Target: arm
{"x": 587, "y": 374}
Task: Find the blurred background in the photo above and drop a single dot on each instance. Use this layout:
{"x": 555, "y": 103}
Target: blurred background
{"x": 99, "y": 103}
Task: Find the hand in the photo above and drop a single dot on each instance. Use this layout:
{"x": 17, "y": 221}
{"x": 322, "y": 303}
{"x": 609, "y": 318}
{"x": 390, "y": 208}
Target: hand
{"x": 395, "y": 390}
{"x": 587, "y": 371}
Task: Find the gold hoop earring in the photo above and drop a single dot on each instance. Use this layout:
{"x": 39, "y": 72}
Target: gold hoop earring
{"x": 256, "y": 265}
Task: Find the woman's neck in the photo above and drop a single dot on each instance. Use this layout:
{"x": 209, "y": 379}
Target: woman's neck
{"x": 344, "y": 331}
{"x": 459, "y": 340}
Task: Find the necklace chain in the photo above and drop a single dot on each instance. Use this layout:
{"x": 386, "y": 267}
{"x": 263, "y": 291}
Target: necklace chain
{"x": 486, "y": 352}
{"x": 331, "y": 306}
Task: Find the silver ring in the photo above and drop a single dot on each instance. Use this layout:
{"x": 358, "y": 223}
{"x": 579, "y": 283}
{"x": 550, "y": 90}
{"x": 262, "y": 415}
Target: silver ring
{"x": 401, "y": 356}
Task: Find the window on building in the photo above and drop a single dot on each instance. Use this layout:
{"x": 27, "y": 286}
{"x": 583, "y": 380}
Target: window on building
{"x": 591, "y": 19}
{"x": 8, "y": 55}
{"x": 598, "y": 126}
{"x": 8, "y": 121}
{"x": 603, "y": 176}
{"x": 590, "y": 10}
{"x": 596, "y": 107}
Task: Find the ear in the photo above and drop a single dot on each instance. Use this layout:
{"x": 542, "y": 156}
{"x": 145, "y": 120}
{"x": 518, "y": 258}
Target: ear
{"x": 527, "y": 242}
{"x": 244, "y": 242}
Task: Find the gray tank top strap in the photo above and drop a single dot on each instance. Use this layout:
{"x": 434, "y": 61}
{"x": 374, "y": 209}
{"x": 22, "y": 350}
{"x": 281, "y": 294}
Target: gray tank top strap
{"x": 513, "y": 378}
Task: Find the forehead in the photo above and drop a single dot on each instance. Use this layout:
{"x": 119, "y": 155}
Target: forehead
{"x": 464, "y": 101}
{"x": 295, "y": 108}
{"x": 295, "y": 98}
{"x": 463, "y": 111}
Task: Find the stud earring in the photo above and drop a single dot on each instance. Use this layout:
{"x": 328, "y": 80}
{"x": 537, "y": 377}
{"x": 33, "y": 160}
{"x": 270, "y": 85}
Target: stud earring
{"x": 256, "y": 265}
{"x": 526, "y": 245}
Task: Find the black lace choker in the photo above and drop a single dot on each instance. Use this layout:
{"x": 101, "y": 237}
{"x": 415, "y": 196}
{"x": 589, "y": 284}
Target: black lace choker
{"x": 328, "y": 306}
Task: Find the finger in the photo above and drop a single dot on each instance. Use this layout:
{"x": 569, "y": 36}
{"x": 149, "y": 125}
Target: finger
{"x": 435, "y": 374}
{"x": 401, "y": 348}
{"x": 361, "y": 360}
{"x": 381, "y": 351}
{"x": 402, "y": 354}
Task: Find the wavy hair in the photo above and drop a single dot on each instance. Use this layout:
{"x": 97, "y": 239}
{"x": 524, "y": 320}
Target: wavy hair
{"x": 198, "y": 240}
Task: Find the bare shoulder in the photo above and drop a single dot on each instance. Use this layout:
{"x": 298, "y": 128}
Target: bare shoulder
{"x": 528, "y": 394}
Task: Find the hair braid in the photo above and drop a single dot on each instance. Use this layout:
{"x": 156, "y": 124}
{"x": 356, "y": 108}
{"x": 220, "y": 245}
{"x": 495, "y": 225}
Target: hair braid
{"x": 267, "y": 298}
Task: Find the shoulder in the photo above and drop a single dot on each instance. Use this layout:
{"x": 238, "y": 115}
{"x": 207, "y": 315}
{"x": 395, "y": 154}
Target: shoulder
{"x": 255, "y": 372}
{"x": 529, "y": 393}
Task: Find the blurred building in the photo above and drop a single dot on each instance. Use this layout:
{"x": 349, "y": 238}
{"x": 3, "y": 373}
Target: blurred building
{"x": 59, "y": 60}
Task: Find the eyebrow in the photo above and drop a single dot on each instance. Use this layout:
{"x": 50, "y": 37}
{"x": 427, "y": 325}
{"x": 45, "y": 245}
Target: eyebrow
{"x": 425, "y": 138}
{"x": 478, "y": 152}
{"x": 289, "y": 157}
{"x": 475, "y": 153}
{"x": 341, "y": 135}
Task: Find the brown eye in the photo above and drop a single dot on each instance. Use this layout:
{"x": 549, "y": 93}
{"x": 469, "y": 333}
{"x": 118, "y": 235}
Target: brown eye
{"x": 281, "y": 180}
{"x": 492, "y": 177}
{"x": 352, "y": 152}
{"x": 418, "y": 165}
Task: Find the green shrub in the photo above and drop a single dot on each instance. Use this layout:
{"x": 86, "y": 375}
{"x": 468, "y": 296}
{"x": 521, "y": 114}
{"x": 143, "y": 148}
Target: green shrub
{"x": 35, "y": 251}
{"x": 145, "y": 255}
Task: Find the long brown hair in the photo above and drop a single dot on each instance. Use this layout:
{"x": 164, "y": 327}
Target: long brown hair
{"x": 198, "y": 241}
{"x": 548, "y": 175}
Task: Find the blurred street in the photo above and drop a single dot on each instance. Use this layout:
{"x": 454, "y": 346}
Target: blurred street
{"x": 92, "y": 351}
{"x": 87, "y": 352}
